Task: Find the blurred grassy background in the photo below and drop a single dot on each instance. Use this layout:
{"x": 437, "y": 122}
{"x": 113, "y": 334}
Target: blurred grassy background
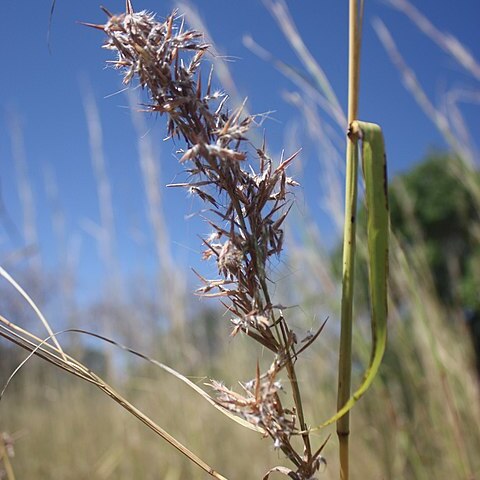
{"x": 419, "y": 421}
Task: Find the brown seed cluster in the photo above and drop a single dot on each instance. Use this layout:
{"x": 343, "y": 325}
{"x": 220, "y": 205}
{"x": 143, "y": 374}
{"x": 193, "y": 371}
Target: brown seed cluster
{"x": 247, "y": 204}
{"x": 260, "y": 405}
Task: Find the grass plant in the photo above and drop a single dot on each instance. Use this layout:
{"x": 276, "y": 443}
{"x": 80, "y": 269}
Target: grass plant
{"x": 427, "y": 382}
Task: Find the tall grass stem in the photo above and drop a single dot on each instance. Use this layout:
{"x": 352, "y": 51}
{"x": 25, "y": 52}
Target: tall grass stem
{"x": 345, "y": 354}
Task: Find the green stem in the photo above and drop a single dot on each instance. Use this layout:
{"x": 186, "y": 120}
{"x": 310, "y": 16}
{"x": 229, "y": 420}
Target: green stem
{"x": 345, "y": 354}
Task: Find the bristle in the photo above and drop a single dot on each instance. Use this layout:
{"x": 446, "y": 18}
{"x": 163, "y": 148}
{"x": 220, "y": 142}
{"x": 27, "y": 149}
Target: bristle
{"x": 92, "y": 25}
{"x": 107, "y": 12}
{"x": 128, "y": 7}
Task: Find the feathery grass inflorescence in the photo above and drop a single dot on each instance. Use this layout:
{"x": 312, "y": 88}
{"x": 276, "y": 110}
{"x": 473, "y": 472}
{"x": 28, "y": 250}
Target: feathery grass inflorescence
{"x": 248, "y": 207}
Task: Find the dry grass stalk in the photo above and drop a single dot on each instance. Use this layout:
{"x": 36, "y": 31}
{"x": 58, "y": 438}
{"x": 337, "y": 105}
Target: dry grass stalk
{"x": 106, "y": 238}
{"x": 219, "y": 61}
{"x": 53, "y": 355}
{"x": 447, "y": 42}
{"x": 25, "y": 190}
{"x": 170, "y": 280}
{"x": 331, "y": 104}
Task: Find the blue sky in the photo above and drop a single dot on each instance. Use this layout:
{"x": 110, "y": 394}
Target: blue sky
{"x": 44, "y": 90}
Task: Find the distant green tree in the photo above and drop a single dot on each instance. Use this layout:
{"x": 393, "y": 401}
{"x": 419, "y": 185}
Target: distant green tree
{"x": 437, "y": 205}
{"x": 434, "y": 204}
